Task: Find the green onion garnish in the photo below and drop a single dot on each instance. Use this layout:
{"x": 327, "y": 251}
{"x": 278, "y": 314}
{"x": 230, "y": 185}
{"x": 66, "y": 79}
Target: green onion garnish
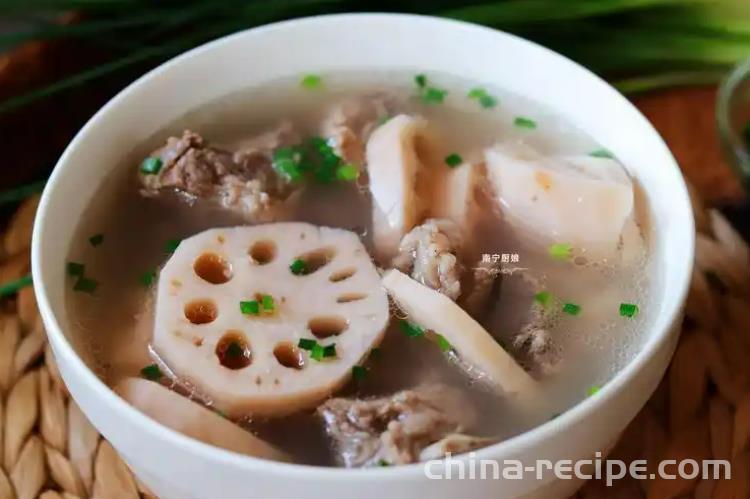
{"x": 285, "y": 161}
{"x": 347, "y": 172}
{"x": 267, "y": 303}
{"x": 151, "y": 166}
{"x": 152, "y": 372}
{"x": 453, "y": 160}
{"x": 12, "y": 287}
{"x": 311, "y": 81}
{"x": 251, "y": 307}
{"x": 329, "y": 350}
{"x": 298, "y": 267}
{"x": 433, "y": 95}
{"x": 148, "y": 278}
{"x": 480, "y": 95}
{"x": 571, "y": 309}
{"x": 543, "y": 298}
{"x": 476, "y": 93}
{"x": 444, "y": 344}
{"x": 171, "y": 245}
{"x": 593, "y": 390}
{"x": 96, "y": 239}
{"x": 317, "y": 352}
{"x": 306, "y": 344}
{"x": 383, "y": 462}
{"x": 85, "y": 285}
{"x": 420, "y": 80}
{"x": 560, "y": 251}
{"x": 601, "y": 153}
{"x": 522, "y": 122}
{"x": 359, "y": 373}
{"x": 22, "y": 192}
{"x": 628, "y": 310}
{"x": 410, "y": 329}
{"x": 75, "y": 269}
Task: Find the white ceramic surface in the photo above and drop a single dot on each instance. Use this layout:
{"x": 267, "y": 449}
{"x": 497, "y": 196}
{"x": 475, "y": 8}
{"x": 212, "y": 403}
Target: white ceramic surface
{"x": 177, "y": 467}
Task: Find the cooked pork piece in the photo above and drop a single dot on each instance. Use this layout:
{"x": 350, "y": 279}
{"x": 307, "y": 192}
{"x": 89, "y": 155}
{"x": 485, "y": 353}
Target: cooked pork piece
{"x": 534, "y": 341}
{"x": 428, "y": 254}
{"x": 484, "y": 277}
{"x": 393, "y": 429}
{"x": 244, "y": 181}
{"x": 350, "y": 122}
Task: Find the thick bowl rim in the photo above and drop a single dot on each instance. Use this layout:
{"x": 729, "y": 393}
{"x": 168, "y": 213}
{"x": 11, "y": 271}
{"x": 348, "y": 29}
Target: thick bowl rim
{"x": 186, "y": 444}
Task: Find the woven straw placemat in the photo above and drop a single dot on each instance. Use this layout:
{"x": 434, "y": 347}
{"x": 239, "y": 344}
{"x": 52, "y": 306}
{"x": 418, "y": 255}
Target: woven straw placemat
{"x": 701, "y": 409}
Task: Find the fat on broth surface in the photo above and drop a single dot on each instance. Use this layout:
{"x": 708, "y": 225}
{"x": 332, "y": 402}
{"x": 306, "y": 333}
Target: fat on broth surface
{"x": 112, "y": 327}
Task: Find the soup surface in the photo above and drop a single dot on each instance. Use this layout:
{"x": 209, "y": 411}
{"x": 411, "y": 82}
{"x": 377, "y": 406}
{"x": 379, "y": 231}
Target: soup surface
{"x": 569, "y": 312}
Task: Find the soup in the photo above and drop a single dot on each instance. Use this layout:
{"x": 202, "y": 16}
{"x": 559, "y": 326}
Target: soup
{"x": 362, "y": 270}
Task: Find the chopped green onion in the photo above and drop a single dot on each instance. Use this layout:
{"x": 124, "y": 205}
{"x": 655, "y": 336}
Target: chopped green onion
{"x": 12, "y": 287}
{"x": 476, "y": 93}
{"x": 22, "y": 192}
{"x": 235, "y": 350}
{"x": 148, "y": 278}
{"x": 96, "y": 239}
{"x": 306, "y": 344}
{"x": 267, "y": 303}
{"x": 329, "y": 350}
{"x": 151, "y": 166}
{"x": 172, "y": 245}
{"x": 359, "y": 373}
{"x": 383, "y": 462}
{"x": 75, "y": 269}
{"x": 543, "y": 298}
{"x": 571, "y": 309}
{"x": 453, "y": 160}
{"x": 628, "y": 310}
{"x": 433, "y": 95}
{"x": 317, "y": 352}
{"x": 298, "y": 267}
{"x": 251, "y": 307}
{"x": 560, "y": 251}
{"x": 522, "y": 122}
{"x": 593, "y": 390}
{"x": 487, "y": 101}
{"x": 152, "y": 372}
{"x": 420, "y": 80}
{"x": 410, "y": 329}
{"x": 444, "y": 344}
{"x": 347, "y": 172}
{"x": 285, "y": 161}
{"x": 311, "y": 81}
{"x": 85, "y": 285}
{"x": 601, "y": 153}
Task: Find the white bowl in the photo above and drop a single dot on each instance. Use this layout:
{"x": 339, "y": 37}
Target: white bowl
{"x": 176, "y": 466}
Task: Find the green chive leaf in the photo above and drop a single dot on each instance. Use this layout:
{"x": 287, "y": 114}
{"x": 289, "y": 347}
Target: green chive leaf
{"x": 444, "y": 344}
{"x": 96, "y": 240}
{"x": 410, "y": 329}
{"x": 267, "y": 303}
{"x": 329, "y": 350}
{"x": 12, "y": 287}
{"x": 347, "y": 172}
{"x": 453, "y": 160}
{"x": 152, "y": 372}
{"x": 311, "y": 81}
{"x": 75, "y": 269}
{"x": 593, "y": 390}
{"x": 543, "y": 298}
{"x": 629, "y": 310}
{"x": 487, "y": 101}
{"x": 251, "y": 307}
{"x": 151, "y": 166}
{"x": 433, "y": 95}
{"x": 306, "y": 344}
{"x": 601, "y": 153}
{"x": 317, "y": 352}
{"x": 571, "y": 309}
{"x": 298, "y": 267}
{"x": 522, "y": 122}
{"x": 172, "y": 245}
{"x": 560, "y": 251}
{"x": 85, "y": 285}
{"x": 383, "y": 462}
{"x": 420, "y": 80}
{"x": 359, "y": 373}
{"x": 476, "y": 93}
{"x": 285, "y": 161}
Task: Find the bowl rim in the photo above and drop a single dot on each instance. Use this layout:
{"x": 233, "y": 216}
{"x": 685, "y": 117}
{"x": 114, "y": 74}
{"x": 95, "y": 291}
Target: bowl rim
{"x": 184, "y": 443}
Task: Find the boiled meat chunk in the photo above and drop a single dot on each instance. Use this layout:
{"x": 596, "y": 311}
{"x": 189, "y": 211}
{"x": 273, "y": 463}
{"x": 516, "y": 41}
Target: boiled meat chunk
{"x": 332, "y": 297}
{"x": 474, "y": 345}
{"x": 192, "y": 419}
{"x": 583, "y": 201}
{"x": 396, "y": 153}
